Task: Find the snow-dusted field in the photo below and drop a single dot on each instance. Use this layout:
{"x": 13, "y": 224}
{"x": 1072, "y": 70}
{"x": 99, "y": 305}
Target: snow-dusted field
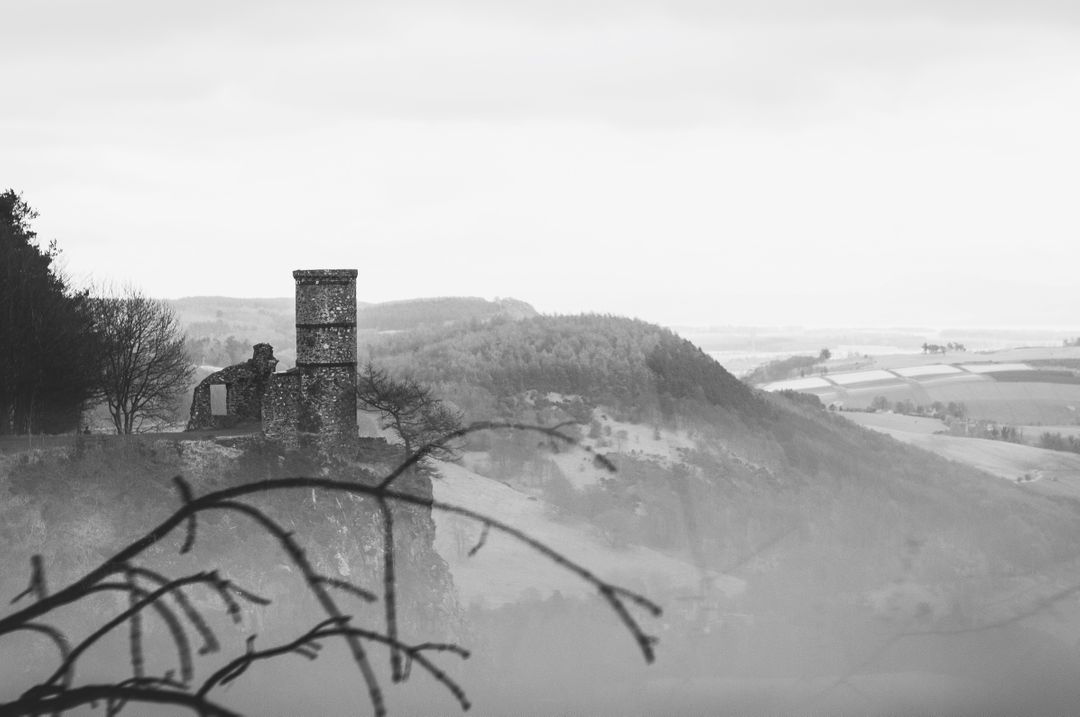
{"x": 845, "y": 379}
{"x": 994, "y": 367}
{"x": 935, "y": 369}
{"x": 798, "y": 384}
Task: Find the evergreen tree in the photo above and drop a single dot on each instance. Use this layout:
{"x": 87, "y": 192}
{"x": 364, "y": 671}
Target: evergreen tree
{"x": 47, "y": 344}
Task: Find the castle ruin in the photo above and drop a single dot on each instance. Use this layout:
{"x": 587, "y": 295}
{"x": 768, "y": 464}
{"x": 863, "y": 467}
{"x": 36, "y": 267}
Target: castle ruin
{"x": 233, "y": 395}
{"x": 312, "y": 405}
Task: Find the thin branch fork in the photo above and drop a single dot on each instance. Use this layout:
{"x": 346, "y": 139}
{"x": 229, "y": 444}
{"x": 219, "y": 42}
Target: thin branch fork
{"x": 338, "y": 627}
{"x": 145, "y": 599}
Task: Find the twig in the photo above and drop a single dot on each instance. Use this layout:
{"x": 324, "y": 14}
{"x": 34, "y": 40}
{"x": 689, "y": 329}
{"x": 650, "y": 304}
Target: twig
{"x": 389, "y": 589}
{"x": 60, "y": 700}
{"x": 146, "y": 599}
{"x": 37, "y": 581}
{"x": 480, "y": 543}
{"x": 187, "y": 496}
{"x": 365, "y": 595}
{"x": 210, "y": 641}
{"x": 135, "y": 632}
{"x": 332, "y": 627}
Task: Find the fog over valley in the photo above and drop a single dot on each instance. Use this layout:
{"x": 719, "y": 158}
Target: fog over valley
{"x": 539, "y": 359}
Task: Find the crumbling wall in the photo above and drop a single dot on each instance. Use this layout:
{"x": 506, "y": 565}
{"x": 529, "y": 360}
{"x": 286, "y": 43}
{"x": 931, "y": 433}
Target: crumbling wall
{"x": 245, "y": 385}
{"x": 281, "y": 409}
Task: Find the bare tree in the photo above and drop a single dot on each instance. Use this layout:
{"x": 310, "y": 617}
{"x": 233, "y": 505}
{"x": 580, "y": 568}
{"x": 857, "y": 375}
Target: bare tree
{"x": 144, "y": 366}
{"x": 409, "y": 409}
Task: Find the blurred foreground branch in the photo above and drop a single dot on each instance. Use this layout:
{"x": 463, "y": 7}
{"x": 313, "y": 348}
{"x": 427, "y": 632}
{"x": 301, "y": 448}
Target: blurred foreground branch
{"x": 120, "y": 573}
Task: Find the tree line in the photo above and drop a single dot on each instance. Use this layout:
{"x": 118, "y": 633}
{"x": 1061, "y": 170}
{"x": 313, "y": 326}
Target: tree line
{"x": 938, "y": 349}
{"x": 64, "y": 349}
{"x": 417, "y": 313}
{"x": 785, "y": 368}
{"x": 636, "y": 368}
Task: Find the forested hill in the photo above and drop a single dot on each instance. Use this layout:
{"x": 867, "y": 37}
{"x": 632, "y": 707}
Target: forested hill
{"x": 222, "y": 330}
{"x": 735, "y": 467}
{"x": 626, "y": 364}
{"x": 418, "y": 313}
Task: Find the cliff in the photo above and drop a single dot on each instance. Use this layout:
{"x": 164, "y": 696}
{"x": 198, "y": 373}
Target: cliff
{"x": 76, "y": 507}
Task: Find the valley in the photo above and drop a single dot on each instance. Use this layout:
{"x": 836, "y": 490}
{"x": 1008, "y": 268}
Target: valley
{"x": 809, "y": 558}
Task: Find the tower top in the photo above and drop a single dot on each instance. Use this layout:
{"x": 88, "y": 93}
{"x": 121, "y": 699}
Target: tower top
{"x": 317, "y": 276}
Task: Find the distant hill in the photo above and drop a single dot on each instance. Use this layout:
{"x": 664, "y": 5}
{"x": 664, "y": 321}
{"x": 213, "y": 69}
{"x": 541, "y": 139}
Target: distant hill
{"x": 222, "y": 329}
{"x": 627, "y": 364}
{"x": 210, "y": 311}
{"x": 440, "y": 311}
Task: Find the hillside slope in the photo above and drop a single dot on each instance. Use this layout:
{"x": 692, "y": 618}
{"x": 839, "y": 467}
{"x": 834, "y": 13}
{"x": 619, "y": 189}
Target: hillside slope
{"x": 505, "y": 571}
{"x": 843, "y": 537}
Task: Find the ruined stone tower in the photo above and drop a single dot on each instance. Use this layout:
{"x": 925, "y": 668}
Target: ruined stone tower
{"x": 326, "y": 355}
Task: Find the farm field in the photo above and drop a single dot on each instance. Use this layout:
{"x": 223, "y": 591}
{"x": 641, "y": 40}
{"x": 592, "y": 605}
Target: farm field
{"x": 1033, "y": 353}
{"x": 1010, "y": 402}
{"x": 1033, "y": 431}
{"x": 888, "y": 422}
{"x": 1051, "y": 472}
{"x": 1020, "y": 386}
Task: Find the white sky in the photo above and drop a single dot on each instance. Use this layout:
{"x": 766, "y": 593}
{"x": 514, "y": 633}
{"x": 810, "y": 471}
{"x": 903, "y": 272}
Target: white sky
{"x": 835, "y": 162}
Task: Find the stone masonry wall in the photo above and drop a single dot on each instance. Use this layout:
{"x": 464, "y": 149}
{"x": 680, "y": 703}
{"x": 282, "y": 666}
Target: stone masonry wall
{"x": 281, "y": 409}
{"x": 245, "y": 385}
{"x": 326, "y": 355}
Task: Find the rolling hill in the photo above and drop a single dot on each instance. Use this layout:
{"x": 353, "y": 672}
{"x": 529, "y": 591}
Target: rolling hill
{"x": 842, "y": 539}
{"x": 790, "y": 547}
{"x": 222, "y": 330}
{"x": 419, "y": 313}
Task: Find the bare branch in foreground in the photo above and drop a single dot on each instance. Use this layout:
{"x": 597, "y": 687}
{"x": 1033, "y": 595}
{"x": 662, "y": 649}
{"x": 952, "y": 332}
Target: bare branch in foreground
{"x": 57, "y": 694}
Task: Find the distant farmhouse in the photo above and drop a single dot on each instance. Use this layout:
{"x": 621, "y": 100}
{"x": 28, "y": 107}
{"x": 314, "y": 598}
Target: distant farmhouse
{"x": 311, "y": 405}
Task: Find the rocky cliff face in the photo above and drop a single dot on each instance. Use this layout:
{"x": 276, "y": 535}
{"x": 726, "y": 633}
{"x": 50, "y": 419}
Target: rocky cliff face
{"x": 76, "y": 507}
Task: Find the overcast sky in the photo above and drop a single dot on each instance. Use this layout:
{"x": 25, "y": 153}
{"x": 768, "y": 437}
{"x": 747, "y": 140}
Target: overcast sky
{"x": 826, "y": 162}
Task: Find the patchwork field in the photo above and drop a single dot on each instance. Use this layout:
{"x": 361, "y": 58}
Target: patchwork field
{"x": 1035, "y": 390}
{"x": 1033, "y": 386}
{"x": 1052, "y": 472}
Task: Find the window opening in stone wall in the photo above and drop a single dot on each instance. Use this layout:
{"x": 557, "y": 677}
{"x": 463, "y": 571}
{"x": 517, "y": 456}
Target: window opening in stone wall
{"x": 218, "y": 402}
